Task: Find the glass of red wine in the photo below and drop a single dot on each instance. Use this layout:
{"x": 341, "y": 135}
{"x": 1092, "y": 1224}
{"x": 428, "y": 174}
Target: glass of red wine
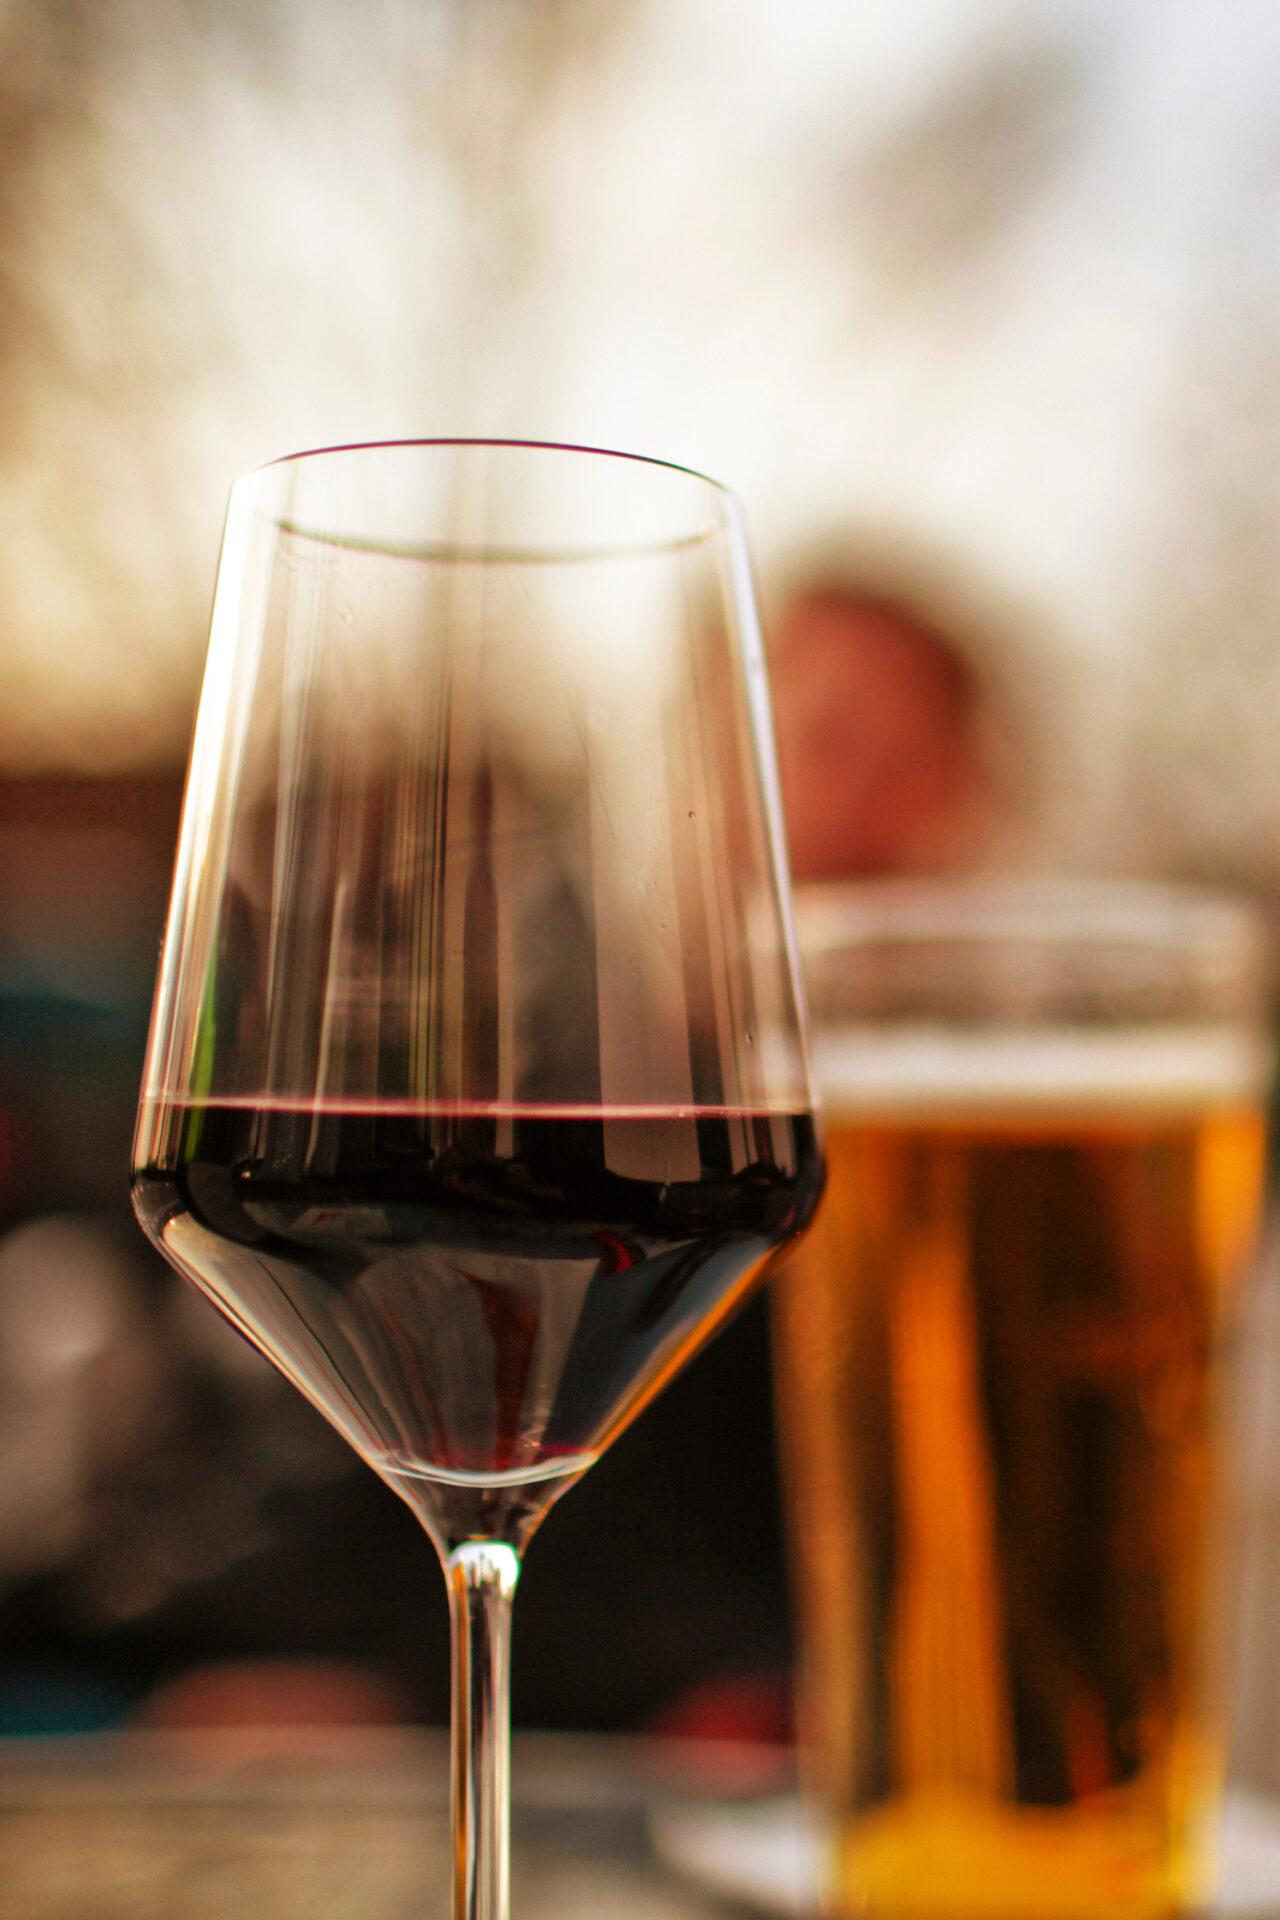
{"x": 476, "y": 1096}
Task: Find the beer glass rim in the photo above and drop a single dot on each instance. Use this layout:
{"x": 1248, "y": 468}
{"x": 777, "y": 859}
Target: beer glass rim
{"x": 1006, "y": 953}
{"x": 1050, "y": 912}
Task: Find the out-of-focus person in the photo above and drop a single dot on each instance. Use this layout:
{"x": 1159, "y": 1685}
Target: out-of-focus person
{"x": 880, "y": 730}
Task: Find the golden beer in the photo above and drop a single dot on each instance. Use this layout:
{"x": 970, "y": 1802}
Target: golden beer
{"x": 1000, "y": 1353}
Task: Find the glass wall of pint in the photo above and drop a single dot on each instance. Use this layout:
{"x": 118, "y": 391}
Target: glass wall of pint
{"x": 999, "y": 1372}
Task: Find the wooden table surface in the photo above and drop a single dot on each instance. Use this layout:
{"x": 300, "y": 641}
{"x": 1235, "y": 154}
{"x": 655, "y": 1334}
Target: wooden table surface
{"x": 146, "y": 1827}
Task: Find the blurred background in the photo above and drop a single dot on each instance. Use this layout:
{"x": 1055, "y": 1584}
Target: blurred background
{"x": 977, "y": 306}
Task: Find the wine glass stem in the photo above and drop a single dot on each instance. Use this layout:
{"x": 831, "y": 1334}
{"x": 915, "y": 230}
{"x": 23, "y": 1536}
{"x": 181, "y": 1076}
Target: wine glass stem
{"x": 482, "y": 1577}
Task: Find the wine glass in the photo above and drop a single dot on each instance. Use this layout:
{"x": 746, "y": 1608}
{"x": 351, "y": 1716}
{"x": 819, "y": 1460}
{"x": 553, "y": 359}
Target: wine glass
{"x": 476, "y": 1095}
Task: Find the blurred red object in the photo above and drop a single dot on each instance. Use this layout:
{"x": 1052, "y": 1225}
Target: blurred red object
{"x": 732, "y": 1735}
{"x": 273, "y": 1693}
{"x": 756, "y": 1707}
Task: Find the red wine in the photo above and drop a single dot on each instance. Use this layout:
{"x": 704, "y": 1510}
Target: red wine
{"x": 481, "y": 1298}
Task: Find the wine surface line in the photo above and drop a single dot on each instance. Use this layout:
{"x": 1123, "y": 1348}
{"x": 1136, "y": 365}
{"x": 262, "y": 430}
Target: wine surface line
{"x": 413, "y": 1106}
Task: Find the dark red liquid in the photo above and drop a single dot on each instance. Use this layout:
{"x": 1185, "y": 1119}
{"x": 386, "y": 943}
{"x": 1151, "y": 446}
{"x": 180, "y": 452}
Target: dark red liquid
{"x": 474, "y": 1294}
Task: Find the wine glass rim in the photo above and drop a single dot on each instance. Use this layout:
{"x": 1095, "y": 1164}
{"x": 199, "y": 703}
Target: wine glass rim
{"x": 497, "y": 442}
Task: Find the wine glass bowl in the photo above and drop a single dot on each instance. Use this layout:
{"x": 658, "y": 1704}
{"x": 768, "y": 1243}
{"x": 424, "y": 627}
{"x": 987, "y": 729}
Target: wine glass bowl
{"x": 477, "y": 1093}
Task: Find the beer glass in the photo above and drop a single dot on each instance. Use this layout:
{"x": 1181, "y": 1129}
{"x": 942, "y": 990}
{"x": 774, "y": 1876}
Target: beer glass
{"x": 1001, "y": 1359}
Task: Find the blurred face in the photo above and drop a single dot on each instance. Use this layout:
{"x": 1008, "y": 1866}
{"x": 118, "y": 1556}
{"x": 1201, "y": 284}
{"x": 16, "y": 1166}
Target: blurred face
{"x": 875, "y": 723}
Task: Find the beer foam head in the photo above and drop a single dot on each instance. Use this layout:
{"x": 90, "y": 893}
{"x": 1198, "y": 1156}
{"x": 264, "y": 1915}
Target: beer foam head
{"x": 917, "y": 1068}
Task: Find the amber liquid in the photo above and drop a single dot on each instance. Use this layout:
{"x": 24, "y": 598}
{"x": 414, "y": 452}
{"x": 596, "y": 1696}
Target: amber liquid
{"x": 1000, "y": 1355}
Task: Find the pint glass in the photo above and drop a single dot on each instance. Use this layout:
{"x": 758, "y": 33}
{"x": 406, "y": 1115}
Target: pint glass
{"x": 1001, "y": 1380}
